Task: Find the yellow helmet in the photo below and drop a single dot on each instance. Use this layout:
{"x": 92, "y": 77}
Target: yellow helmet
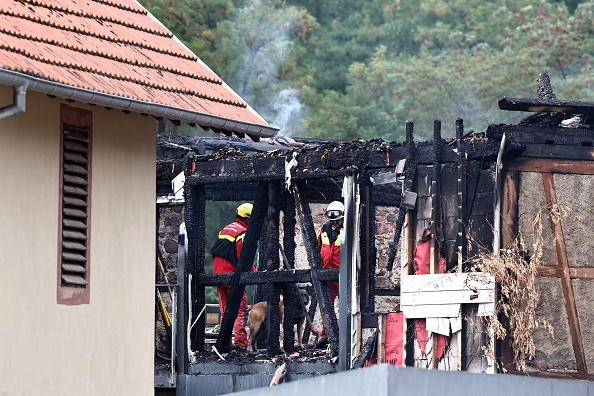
{"x": 245, "y": 210}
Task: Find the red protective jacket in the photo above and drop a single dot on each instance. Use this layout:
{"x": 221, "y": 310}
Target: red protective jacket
{"x": 227, "y": 249}
{"x": 329, "y": 249}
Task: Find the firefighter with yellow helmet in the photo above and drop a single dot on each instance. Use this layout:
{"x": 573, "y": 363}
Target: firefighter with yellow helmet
{"x": 226, "y": 253}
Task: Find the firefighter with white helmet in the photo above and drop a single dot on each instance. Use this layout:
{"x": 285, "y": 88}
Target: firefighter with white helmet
{"x": 334, "y": 211}
{"x": 329, "y": 245}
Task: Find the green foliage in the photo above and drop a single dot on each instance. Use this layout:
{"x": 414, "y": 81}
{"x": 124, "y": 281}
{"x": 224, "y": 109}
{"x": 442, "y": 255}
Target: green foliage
{"x": 470, "y": 55}
{"x": 194, "y": 22}
{"x": 350, "y": 69}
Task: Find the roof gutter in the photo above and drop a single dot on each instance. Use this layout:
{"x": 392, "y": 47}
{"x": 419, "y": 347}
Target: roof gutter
{"x": 19, "y": 98}
{"x": 26, "y": 82}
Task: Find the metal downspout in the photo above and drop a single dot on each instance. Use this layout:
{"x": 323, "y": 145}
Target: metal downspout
{"x": 491, "y": 365}
{"x": 497, "y": 214}
{"x": 19, "y": 98}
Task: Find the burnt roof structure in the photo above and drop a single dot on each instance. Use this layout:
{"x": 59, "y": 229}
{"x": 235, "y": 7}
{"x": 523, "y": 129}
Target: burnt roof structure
{"x": 289, "y": 180}
{"x": 474, "y": 193}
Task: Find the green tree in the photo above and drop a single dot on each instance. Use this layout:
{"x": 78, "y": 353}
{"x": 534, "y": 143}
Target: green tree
{"x": 461, "y": 71}
{"x": 361, "y": 69}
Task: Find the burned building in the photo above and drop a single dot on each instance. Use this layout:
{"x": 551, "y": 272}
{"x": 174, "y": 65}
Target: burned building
{"x": 515, "y": 195}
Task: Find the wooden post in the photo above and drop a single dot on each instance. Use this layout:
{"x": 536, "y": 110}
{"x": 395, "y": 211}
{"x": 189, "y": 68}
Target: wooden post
{"x": 315, "y": 262}
{"x": 246, "y": 259}
{"x": 435, "y": 221}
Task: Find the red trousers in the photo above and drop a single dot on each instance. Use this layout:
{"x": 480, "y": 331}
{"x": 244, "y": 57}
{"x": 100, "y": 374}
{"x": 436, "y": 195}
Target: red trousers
{"x": 333, "y": 290}
{"x": 239, "y": 325}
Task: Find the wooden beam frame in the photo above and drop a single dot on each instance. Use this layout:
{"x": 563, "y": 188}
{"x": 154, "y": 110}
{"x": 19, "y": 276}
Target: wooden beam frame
{"x": 315, "y": 262}
{"x": 568, "y": 293}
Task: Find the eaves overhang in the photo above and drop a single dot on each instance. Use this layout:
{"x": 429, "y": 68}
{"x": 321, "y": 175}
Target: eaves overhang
{"x": 68, "y": 92}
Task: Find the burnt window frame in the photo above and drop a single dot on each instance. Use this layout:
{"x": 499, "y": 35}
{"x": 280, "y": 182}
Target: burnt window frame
{"x": 75, "y": 123}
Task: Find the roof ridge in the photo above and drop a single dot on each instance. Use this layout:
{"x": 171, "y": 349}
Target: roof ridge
{"x": 109, "y": 56}
{"x": 122, "y": 6}
{"x": 111, "y": 3}
{"x": 53, "y": 7}
{"x": 100, "y": 36}
{"x": 120, "y": 78}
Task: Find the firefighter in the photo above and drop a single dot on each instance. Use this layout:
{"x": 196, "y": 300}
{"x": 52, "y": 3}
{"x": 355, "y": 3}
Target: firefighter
{"x": 329, "y": 245}
{"x": 226, "y": 253}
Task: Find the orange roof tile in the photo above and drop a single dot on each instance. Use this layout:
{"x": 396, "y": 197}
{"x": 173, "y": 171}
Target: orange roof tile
{"x": 115, "y": 54}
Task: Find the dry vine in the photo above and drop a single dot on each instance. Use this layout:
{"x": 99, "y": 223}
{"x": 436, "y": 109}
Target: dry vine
{"x": 519, "y": 297}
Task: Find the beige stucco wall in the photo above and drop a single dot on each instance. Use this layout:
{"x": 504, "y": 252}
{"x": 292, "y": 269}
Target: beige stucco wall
{"x": 106, "y": 346}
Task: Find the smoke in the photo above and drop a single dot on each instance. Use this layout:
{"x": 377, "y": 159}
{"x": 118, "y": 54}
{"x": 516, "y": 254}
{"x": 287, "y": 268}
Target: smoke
{"x": 268, "y": 35}
{"x": 288, "y": 111}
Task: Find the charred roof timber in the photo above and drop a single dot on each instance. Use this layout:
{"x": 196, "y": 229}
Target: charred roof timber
{"x": 314, "y": 172}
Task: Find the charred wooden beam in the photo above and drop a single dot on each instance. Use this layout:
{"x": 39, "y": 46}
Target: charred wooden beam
{"x": 195, "y": 228}
{"x": 551, "y": 136}
{"x": 462, "y": 196}
{"x": 547, "y": 105}
{"x": 262, "y": 288}
{"x": 199, "y": 145}
{"x": 289, "y": 223}
{"x": 263, "y": 277}
{"x": 246, "y": 259}
{"x": 273, "y": 319}
{"x": 367, "y": 246}
{"x": 551, "y": 151}
{"x": 311, "y": 312}
{"x": 315, "y": 262}
{"x": 313, "y": 165}
{"x": 410, "y": 170}
{"x": 309, "y": 174}
{"x": 290, "y": 291}
{"x": 388, "y": 292}
{"x": 236, "y": 170}
{"x": 166, "y": 170}
{"x": 436, "y": 223}
{"x": 366, "y": 351}
{"x": 240, "y": 191}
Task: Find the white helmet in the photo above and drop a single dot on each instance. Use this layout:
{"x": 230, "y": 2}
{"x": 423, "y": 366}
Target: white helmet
{"x": 334, "y": 211}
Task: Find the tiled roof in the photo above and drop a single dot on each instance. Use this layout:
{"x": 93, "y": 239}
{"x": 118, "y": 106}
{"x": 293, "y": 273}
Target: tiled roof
{"x": 114, "y": 53}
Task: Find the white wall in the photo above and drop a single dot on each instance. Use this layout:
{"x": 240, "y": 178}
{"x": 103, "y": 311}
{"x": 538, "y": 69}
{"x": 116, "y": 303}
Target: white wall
{"x": 104, "y": 347}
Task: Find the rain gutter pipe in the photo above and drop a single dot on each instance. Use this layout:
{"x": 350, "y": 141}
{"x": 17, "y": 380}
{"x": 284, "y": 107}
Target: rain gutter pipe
{"x": 19, "y": 98}
{"x": 16, "y": 79}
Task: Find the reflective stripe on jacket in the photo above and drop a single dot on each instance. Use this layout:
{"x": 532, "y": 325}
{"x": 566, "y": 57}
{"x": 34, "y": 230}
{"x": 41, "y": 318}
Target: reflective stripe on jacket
{"x": 329, "y": 250}
{"x": 228, "y": 246}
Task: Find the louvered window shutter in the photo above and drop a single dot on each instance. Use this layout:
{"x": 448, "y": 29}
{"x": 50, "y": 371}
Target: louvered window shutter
{"x": 75, "y": 200}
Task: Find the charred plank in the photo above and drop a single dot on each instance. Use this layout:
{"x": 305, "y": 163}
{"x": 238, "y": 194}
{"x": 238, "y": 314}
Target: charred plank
{"x": 547, "y": 105}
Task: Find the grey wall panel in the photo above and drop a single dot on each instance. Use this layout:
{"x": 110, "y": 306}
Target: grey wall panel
{"x": 380, "y": 380}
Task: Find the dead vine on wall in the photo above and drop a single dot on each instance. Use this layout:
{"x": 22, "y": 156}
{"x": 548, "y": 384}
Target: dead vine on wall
{"x": 515, "y": 271}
